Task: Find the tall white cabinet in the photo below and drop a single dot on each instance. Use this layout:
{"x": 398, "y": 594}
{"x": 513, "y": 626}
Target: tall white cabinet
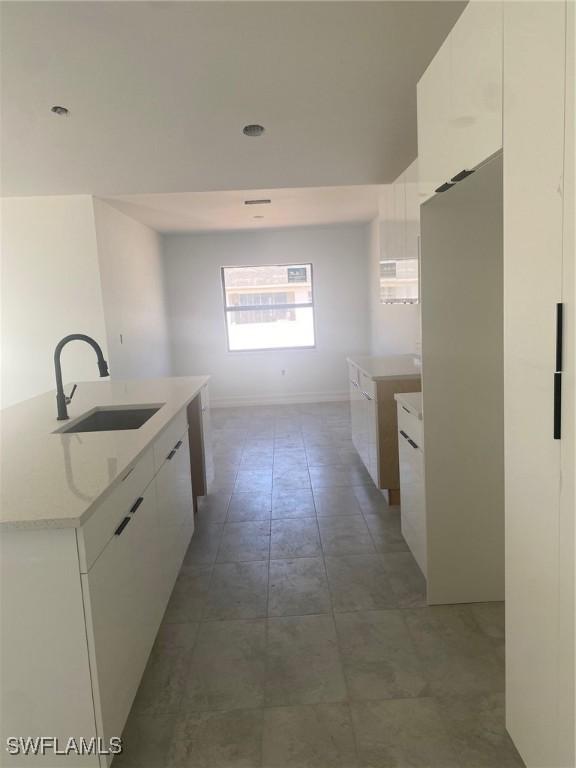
{"x": 538, "y": 274}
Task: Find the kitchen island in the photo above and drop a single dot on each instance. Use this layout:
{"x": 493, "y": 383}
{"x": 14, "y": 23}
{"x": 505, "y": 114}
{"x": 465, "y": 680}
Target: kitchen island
{"x": 94, "y": 527}
{"x": 373, "y": 383}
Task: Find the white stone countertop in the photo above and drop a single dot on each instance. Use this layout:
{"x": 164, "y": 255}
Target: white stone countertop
{"x": 395, "y": 366}
{"x": 412, "y": 401}
{"x": 50, "y": 480}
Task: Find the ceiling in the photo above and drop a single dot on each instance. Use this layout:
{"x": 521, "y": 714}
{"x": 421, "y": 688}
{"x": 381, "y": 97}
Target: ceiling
{"x": 214, "y": 211}
{"x": 158, "y": 93}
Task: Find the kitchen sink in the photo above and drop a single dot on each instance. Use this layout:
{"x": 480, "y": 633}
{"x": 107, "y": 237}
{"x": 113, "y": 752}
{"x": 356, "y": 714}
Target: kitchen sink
{"x": 112, "y": 419}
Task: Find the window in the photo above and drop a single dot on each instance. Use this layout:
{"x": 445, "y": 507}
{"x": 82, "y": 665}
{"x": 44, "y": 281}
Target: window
{"x": 269, "y": 307}
{"x": 399, "y": 281}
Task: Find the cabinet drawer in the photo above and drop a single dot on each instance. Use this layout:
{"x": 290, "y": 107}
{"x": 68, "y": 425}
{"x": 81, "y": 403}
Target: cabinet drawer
{"x": 166, "y": 440}
{"x": 413, "y": 505}
{"x": 100, "y": 527}
{"x": 367, "y": 386}
{"x": 411, "y": 425}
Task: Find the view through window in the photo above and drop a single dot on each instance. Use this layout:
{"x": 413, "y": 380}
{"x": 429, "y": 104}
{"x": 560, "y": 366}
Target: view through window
{"x": 269, "y": 307}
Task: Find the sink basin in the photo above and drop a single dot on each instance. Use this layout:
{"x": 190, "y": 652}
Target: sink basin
{"x": 112, "y": 419}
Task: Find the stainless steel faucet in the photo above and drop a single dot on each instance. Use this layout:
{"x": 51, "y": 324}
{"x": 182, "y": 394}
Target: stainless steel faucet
{"x": 62, "y": 400}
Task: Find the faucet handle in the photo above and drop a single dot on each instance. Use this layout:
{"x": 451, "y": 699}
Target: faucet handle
{"x": 71, "y": 395}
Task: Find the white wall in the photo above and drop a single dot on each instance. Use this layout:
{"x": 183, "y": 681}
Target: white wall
{"x": 133, "y": 295}
{"x": 194, "y": 296}
{"x": 50, "y": 288}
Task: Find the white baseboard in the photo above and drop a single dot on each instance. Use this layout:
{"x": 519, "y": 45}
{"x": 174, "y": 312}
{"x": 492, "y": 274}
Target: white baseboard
{"x": 304, "y": 397}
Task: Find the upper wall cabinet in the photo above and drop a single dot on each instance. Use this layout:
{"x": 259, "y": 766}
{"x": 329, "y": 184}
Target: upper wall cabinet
{"x": 460, "y": 98}
{"x": 433, "y": 109}
{"x": 400, "y": 230}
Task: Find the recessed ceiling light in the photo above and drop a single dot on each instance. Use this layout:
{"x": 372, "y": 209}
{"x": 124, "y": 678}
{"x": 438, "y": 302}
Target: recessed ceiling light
{"x": 58, "y": 110}
{"x": 253, "y": 130}
{"x": 263, "y": 201}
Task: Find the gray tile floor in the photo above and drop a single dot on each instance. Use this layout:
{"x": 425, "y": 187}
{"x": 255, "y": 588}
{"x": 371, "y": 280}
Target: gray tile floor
{"x": 298, "y": 635}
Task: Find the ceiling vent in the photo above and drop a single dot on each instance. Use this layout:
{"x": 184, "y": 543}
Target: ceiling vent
{"x": 263, "y": 201}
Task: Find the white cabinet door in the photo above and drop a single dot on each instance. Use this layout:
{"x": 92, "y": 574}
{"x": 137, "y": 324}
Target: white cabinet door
{"x": 538, "y": 662}
{"x": 475, "y": 85}
{"x": 123, "y": 609}
{"x": 412, "y": 496}
{"x": 355, "y": 407}
{"x": 398, "y": 222}
{"x": 372, "y": 454}
{"x": 175, "y": 510}
{"x": 434, "y": 141}
{"x": 460, "y": 98}
{"x": 412, "y": 205}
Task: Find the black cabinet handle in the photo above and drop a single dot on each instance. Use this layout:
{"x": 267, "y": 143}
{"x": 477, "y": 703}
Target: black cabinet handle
{"x": 178, "y": 444}
{"x": 444, "y": 187}
{"x": 558, "y": 372}
{"x": 412, "y": 443}
{"x": 405, "y": 409}
{"x": 559, "y": 336}
{"x": 136, "y": 504}
{"x": 128, "y": 474}
{"x": 171, "y": 454}
{"x": 557, "y": 405}
{"x": 461, "y": 175}
{"x": 122, "y": 525}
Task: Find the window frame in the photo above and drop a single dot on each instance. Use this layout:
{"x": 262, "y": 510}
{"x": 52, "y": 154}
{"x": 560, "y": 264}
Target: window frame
{"x": 298, "y": 305}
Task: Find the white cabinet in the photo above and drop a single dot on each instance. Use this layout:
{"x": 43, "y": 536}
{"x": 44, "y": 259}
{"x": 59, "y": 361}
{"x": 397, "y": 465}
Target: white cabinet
{"x": 372, "y": 462}
{"x": 373, "y": 416}
{"x": 433, "y": 96}
{"x": 399, "y": 210}
{"x": 412, "y": 207}
{"x": 356, "y": 410}
{"x": 175, "y": 510}
{"x": 475, "y": 118}
{"x": 460, "y": 98}
{"x": 412, "y": 489}
{"x": 81, "y": 606}
{"x": 123, "y": 613}
{"x": 128, "y": 585}
{"x": 539, "y": 470}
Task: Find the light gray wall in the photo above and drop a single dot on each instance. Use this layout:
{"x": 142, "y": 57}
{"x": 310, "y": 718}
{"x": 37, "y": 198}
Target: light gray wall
{"x": 339, "y": 255}
{"x": 133, "y": 295}
{"x": 50, "y": 288}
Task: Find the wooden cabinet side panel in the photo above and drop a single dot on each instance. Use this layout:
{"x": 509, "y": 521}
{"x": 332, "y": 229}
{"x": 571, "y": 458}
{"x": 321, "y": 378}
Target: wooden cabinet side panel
{"x": 389, "y": 472}
{"x": 197, "y": 452}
